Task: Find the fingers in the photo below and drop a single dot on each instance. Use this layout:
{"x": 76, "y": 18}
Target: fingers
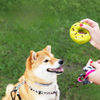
{"x": 90, "y": 22}
{"x": 87, "y": 20}
{"x": 87, "y": 27}
{"x": 88, "y": 64}
{"x": 95, "y": 64}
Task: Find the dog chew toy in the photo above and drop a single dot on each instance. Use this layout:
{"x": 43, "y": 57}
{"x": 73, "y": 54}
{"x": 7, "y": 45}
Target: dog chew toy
{"x": 78, "y": 34}
{"x": 84, "y": 77}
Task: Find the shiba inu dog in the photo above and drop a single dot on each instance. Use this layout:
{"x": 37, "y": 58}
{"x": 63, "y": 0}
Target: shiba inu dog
{"x": 39, "y": 81}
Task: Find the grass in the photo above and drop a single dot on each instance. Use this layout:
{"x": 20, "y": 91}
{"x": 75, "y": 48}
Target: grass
{"x": 32, "y": 25}
{"x": 84, "y": 93}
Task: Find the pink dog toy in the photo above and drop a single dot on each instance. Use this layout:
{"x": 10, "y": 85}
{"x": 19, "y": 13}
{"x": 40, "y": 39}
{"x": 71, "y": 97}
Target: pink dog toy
{"x": 84, "y": 77}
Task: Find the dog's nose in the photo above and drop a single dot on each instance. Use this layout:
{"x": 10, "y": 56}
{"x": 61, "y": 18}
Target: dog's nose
{"x": 61, "y": 62}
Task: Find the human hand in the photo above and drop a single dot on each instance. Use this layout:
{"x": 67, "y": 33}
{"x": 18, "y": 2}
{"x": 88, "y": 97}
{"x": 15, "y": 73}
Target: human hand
{"x": 94, "y": 32}
{"x": 94, "y": 76}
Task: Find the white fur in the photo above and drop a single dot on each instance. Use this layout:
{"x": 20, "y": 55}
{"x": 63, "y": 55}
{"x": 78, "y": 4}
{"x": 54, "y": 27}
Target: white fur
{"x": 49, "y": 77}
{"x": 42, "y": 72}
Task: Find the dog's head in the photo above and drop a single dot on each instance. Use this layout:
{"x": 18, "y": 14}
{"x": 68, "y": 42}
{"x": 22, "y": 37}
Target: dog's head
{"x": 43, "y": 64}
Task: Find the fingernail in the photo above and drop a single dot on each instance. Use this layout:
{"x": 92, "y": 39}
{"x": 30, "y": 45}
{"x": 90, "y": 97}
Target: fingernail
{"x": 91, "y": 61}
{"x": 81, "y": 25}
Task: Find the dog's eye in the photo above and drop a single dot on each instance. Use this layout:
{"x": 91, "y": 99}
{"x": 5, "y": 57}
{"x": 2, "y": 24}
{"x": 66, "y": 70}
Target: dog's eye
{"x": 46, "y": 61}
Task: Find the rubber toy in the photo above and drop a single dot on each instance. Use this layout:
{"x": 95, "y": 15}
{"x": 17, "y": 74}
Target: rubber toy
{"x": 79, "y": 34}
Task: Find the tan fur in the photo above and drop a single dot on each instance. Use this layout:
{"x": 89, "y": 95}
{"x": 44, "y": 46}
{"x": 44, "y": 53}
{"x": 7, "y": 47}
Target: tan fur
{"x": 33, "y": 63}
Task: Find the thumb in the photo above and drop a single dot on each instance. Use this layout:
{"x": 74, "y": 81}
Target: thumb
{"x": 88, "y": 64}
{"x": 87, "y": 27}
{"x": 95, "y": 64}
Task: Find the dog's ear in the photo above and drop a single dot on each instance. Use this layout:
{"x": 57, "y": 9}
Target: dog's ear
{"x": 31, "y": 60}
{"x": 33, "y": 55}
{"x": 48, "y": 48}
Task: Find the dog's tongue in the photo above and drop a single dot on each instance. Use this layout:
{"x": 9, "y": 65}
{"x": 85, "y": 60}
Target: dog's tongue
{"x": 58, "y": 69}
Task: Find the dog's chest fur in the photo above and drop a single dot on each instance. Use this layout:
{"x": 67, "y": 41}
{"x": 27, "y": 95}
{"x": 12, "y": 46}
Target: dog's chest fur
{"x": 45, "y": 97}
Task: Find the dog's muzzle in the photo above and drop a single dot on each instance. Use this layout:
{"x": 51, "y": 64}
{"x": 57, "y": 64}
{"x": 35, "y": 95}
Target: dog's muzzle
{"x": 58, "y": 70}
{"x": 61, "y": 62}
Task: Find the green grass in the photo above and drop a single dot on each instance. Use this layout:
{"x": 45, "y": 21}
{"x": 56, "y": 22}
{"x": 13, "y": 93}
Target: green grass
{"x": 34, "y": 25}
{"x": 86, "y": 92}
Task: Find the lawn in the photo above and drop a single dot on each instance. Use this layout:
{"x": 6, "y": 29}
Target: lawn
{"x": 32, "y": 25}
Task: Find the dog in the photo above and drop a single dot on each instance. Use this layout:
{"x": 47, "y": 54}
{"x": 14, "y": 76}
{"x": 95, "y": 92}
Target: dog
{"x": 39, "y": 81}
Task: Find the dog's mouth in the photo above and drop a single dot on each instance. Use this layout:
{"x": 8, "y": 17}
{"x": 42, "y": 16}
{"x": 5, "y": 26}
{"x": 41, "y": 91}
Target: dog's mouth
{"x": 56, "y": 70}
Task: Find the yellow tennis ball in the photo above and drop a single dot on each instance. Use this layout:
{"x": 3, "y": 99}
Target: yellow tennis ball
{"x": 78, "y": 34}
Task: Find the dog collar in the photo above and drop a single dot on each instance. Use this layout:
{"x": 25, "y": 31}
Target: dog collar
{"x": 41, "y": 92}
{"x": 16, "y": 89}
{"x": 43, "y": 84}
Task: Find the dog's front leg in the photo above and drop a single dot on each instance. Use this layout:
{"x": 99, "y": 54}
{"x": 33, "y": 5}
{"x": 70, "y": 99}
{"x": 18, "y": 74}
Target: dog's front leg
{"x": 58, "y": 95}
